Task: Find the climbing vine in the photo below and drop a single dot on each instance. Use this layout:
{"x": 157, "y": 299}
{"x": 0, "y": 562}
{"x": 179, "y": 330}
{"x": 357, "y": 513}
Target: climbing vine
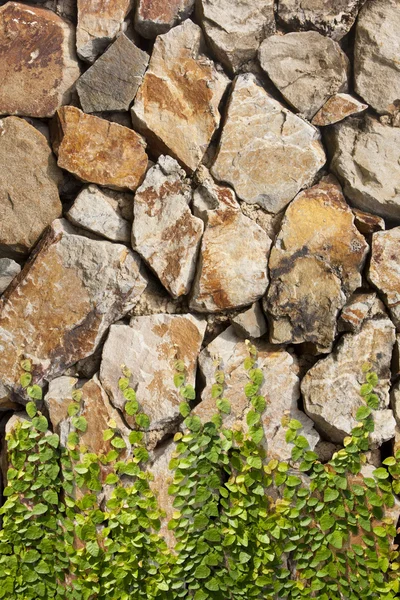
{"x": 82, "y": 526}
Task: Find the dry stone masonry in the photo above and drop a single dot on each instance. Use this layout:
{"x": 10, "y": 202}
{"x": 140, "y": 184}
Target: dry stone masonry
{"x": 178, "y": 176}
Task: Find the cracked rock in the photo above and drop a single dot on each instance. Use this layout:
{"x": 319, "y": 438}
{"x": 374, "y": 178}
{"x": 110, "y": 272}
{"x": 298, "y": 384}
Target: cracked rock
{"x": 155, "y": 17}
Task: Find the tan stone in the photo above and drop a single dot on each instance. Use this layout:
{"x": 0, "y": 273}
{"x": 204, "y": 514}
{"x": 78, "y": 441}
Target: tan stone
{"x": 337, "y": 108}
{"x": 98, "y": 151}
{"x": 280, "y": 389}
{"x": 384, "y": 270}
{"x": 98, "y": 25}
{"x": 230, "y": 273}
{"x": 314, "y": 266}
{"x": 176, "y": 107}
{"x": 29, "y": 183}
{"x": 165, "y": 233}
{"x": 38, "y": 64}
{"x": 266, "y": 153}
{"x": 250, "y": 323}
{"x": 69, "y": 293}
{"x": 162, "y": 479}
{"x": 357, "y": 309}
{"x": 154, "y": 17}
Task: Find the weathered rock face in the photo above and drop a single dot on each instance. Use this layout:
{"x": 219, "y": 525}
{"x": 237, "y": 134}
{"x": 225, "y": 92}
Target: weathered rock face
{"x": 288, "y": 150}
{"x": 376, "y": 52}
{"x": 103, "y": 212}
{"x": 154, "y": 17}
{"x": 366, "y": 160}
{"x": 149, "y": 347}
{"x": 98, "y": 151}
{"x": 318, "y": 243}
{"x": 97, "y": 27}
{"x": 232, "y": 268}
{"x": 306, "y": 67}
{"x": 280, "y": 389}
{"x": 330, "y": 17}
{"x": 8, "y": 270}
{"x": 112, "y": 82}
{"x": 29, "y": 183}
{"x": 160, "y": 484}
{"x": 250, "y": 323}
{"x": 337, "y": 108}
{"x": 38, "y": 65}
{"x": 395, "y": 402}
{"x": 165, "y": 233}
{"x": 384, "y": 272}
{"x": 155, "y": 299}
{"x": 331, "y": 388}
{"x": 64, "y": 301}
{"x": 181, "y": 92}
{"x": 356, "y": 311}
{"x": 367, "y": 223}
{"x": 235, "y": 30}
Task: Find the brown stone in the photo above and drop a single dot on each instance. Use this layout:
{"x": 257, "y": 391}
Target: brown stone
{"x": 97, "y": 151}
{"x": 176, "y": 107}
{"x": 337, "y": 108}
{"x": 29, "y": 183}
{"x": 384, "y": 271}
{"x": 59, "y": 307}
{"x": 356, "y": 311}
{"x": 367, "y": 223}
{"x": 38, "y": 65}
{"x": 154, "y": 17}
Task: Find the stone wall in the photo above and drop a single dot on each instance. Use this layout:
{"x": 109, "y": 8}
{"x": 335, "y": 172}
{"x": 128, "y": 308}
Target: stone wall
{"x": 178, "y": 176}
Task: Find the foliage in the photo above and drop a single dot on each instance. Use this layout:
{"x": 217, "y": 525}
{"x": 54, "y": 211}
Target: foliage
{"x": 82, "y": 526}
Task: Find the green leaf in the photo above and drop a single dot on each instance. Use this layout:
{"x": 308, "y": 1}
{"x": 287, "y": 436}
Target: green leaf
{"x": 184, "y": 409}
{"x": 26, "y": 364}
{"x": 129, "y": 394}
{"x": 112, "y": 478}
{"x": 257, "y": 377}
{"x": 250, "y": 389}
{"x": 35, "y": 392}
{"x": 259, "y": 403}
{"x": 327, "y": 521}
{"x": 188, "y": 392}
{"x": 254, "y": 461}
{"x": 224, "y": 405}
{"x": 380, "y": 531}
{"x": 51, "y": 497}
{"x": 131, "y": 407}
{"x": 40, "y": 509}
{"x": 31, "y": 556}
{"x": 77, "y": 395}
{"x": 80, "y": 423}
{"x": 108, "y": 434}
{"x": 143, "y": 421}
{"x": 248, "y": 363}
{"x": 330, "y": 495}
{"x": 119, "y": 443}
{"x": 372, "y": 378}
{"x": 179, "y": 366}
{"x": 73, "y": 409}
{"x": 31, "y": 409}
{"x": 25, "y": 379}
{"x": 40, "y": 423}
{"x": 336, "y": 539}
{"x": 372, "y": 401}
{"x": 366, "y": 389}
{"x": 362, "y": 413}
{"x": 123, "y": 383}
{"x": 202, "y": 572}
{"x": 380, "y": 473}
{"x": 179, "y": 379}
{"x": 252, "y": 418}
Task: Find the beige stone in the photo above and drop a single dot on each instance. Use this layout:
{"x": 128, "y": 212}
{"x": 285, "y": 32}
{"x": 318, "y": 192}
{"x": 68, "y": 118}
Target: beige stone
{"x": 337, "y": 108}
{"x": 356, "y": 311}
{"x": 384, "y": 270}
{"x": 176, "y": 107}
{"x": 38, "y": 64}
{"x": 306, "y": 67}
{"x": 165, "y": 233}
{"x": 29, "y": 181}
{"x": 155, "y": 17}
{"x": 314, "y": 266}
{"x": 251, "y": 323}
{"x": 162, "y": 479}
{"x": 69, "y": 293}
{"x": 266, "y": 153}
{"x": 98, "y": 151}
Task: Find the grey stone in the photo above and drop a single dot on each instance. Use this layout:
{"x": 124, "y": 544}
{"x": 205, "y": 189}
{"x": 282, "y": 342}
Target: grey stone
{"x": 250, "y": 323}
{"x": 8, "y": 270}
{"x": 155, "y": 17}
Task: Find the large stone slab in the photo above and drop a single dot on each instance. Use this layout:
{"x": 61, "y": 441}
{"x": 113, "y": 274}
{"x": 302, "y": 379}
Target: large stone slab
{"x": 331, "y": 388}
{"x": 330, "y": 17}
{"x": 235, "y": 30}
{"x": 98, "y": 151}
{"x": 149, "y": 347}
{"x": 365, "y": 158}
{"x": 280, "y": 389}
{"x": 69, "y": 293}
{"x": 384, "y": 271}
{"x": 38, "y": 64}
{"x": 155, "y": 17}
{"x": 29, "y": 181}
{"x": 99, "y": 25}
{"x": 314, "y": 266}
{"x": 266, "y": 153}
{"x": 165, "y": 233}
{"x": 176, "y": 107}
{"x": 112, "y": 82}
{"x": 306, "y": 67}
{"x": 232, "y": 266}
{"x": 376, "y": 55}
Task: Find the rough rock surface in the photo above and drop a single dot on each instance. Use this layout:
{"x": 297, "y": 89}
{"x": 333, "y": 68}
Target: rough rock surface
{"x": 395, "y": 402}
{"x": 149, "y": 347}
{"x": 366, "y": 160}
{"x": 367, "y": 223}
{"x": 306, "y": 67}
{"x": 384, "y": 270}
{"x": 154, "y": 17}
{"x": 331, "y": 388}
{"x": 181, "y": 92}
{"x": 29, "y": 181}
{"x": 250, "y": 323}
{"x": 103, "y": 212}
{"x": 236, "y": 29}
{"x": 67, "y": 296}
{"x": 165, "y": 233}
{"x": 98, "y": 26}
{"x": 160, "y": 484}
{"x": 112, "y": 82}
{"x": 357, "y": 309}
{"x": 8, "y": 270}
{"x": 314, "y": 266}
{"x": 230, "y": 273}
{"x": 376, "y": 55}
{"x": 337, "y": 108}
{"x": 155, "y": 299}
{"x": 330, "y": 17}
{"x": 98, "y": 151}
{"x": 266, "y": 153}
{"x": 38, "y": 64}
{"x": 280, "y": 389}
